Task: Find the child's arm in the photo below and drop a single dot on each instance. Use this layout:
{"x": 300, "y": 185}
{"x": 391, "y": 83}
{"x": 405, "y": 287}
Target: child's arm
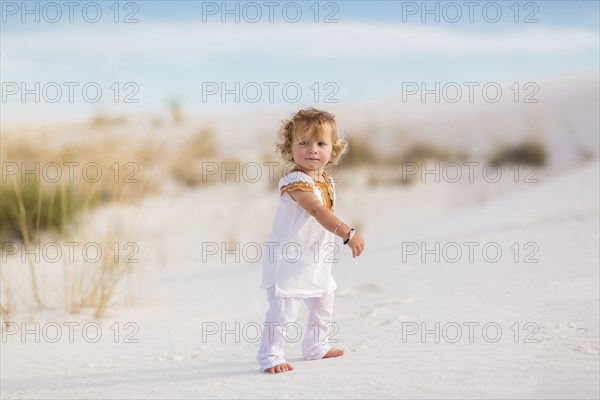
{"x": 312, "y": 205}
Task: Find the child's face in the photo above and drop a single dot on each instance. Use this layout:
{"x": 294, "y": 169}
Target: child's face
{"x": 312, "y": 154}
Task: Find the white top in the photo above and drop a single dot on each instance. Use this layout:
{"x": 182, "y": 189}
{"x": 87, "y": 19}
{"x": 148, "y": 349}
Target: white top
{"x": 300, "y": 252}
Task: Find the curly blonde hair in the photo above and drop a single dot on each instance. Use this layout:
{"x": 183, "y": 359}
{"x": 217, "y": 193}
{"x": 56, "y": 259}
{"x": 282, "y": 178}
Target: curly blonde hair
{"x": 314, "y": 121}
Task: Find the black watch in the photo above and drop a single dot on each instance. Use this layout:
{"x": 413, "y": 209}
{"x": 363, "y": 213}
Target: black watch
{"x": 349, "y": 236}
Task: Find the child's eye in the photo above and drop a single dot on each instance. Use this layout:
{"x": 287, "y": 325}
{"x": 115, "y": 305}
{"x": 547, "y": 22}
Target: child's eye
{"x": 322, "y": 144}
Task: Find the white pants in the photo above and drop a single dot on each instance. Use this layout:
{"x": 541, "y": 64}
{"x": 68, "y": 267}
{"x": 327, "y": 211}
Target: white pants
{"x": 280, "y": 326}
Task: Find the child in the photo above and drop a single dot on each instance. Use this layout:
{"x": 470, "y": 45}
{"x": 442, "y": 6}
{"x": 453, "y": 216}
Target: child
{"x": 301, "y": 248}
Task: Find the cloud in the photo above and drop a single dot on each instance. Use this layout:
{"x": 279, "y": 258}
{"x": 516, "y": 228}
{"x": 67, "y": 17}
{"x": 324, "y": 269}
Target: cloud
{"x": 191, "y": 43}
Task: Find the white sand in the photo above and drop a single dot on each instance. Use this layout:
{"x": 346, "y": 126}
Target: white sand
{"x": 378, "y": 295}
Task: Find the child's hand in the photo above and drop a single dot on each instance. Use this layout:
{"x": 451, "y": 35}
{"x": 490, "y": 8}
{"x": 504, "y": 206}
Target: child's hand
{"x": 356, "y": 244}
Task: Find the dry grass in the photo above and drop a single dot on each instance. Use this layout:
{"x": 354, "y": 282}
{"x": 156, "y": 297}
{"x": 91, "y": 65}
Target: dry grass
{"x": 46, "y": 204}
{"x": 86, "y": 285}
{"x": 185, "y": 163}
{"x": 93, "y": 285}
{"x": 529, "y": 152}
{"x": 175, "y": 111}
{"x": 7, "y": 307}
{"x": 35, "y": 210}
{"x": 360, "y": 152}
{"x": 104, "y": 121}
{"x": 389, "y": 170}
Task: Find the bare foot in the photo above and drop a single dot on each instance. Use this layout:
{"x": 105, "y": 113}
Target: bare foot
{"x": 283, "y": 367}
{"x": 334, "y": 353}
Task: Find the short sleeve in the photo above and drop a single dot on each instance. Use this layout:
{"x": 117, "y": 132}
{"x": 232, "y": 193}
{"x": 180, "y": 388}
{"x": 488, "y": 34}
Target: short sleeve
{"x": 295, "y": 181}
{"x": 299, "y": 185}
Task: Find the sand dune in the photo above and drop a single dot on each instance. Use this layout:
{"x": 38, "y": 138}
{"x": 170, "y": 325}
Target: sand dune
{"x": 382, "y": 298}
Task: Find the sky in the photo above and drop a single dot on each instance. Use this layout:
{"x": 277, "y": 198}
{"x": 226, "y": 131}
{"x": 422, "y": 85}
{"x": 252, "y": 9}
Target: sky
{"x": 136, "y": 56}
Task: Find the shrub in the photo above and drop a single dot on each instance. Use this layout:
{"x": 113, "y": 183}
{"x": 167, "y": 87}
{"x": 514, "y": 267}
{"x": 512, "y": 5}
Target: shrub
{"x": 532, "y": 152}
{"x": 359, "y": 152}
{"x": 184, "y": 165}
{"x": 28, "y": 207}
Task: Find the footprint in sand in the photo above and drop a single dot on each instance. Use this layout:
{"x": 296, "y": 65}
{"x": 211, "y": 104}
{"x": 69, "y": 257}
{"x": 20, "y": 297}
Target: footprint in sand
{"x": 593, "y": 350}
{"x": 368, "y": 313}
{"x": 395, "y": 320}
{"x": 360, "y": 290}
{"x": 362, "y": 343}
{"x": 375, "y": 309}
{"x": 392, "y": 302}
{"x": 186, "y": 354}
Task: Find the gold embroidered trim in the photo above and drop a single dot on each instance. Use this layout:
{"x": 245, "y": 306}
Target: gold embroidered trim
{"x": 299, "y": 185}
{"x": 326, "y": 188}
{"x": 329, "y": 189}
